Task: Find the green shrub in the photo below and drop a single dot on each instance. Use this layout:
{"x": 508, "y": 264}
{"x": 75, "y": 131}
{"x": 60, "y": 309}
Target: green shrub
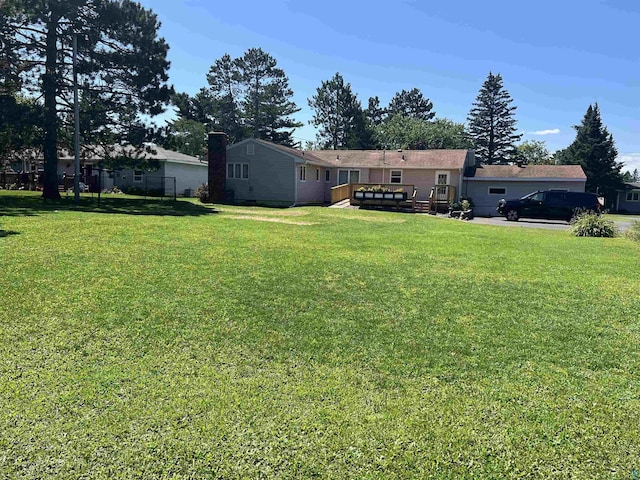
{"x": 634, "y": 231}
{"x": 591, "y": 224}
{"x": 202, "y": 192}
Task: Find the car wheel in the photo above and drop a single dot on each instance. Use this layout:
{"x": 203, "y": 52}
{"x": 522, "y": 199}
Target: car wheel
{"x": 512, "y": 215}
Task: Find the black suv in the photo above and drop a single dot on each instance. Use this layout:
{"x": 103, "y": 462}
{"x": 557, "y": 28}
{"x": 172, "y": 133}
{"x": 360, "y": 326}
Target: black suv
{"x": 550, "y": 204}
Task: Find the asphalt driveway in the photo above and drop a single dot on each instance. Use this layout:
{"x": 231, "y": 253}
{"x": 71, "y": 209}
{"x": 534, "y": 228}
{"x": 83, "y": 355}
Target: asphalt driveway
{"x": 532, "y": 223}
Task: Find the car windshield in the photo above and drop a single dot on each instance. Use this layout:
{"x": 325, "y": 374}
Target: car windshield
{"x": 534, "y": 196}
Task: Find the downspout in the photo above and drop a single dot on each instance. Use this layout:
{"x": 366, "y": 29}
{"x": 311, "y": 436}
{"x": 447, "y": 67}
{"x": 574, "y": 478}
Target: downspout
{"x": 295, "y": 183}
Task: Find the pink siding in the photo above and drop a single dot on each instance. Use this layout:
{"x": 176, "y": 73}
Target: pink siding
{"x": 423, "y": 180}
{"x": 310, "y": 190}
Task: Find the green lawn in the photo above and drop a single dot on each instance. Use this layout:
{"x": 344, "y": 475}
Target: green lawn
{"x": 160, "y": 339}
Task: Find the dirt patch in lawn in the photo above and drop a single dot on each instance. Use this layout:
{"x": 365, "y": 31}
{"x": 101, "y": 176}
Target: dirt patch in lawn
{"x": 268, "y": 219}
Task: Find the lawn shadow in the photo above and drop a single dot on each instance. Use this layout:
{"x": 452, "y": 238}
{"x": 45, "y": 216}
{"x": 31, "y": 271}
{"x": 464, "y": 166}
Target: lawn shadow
{"x": 6, "y": 233}
{"x": 31, "y": 205}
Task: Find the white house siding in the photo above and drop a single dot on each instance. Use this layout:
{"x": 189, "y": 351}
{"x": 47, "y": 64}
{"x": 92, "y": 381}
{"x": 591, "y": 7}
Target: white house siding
{"x": 188, "y": 177}
{"x": 477, "y": 189}
{"x": 272, "y": 179}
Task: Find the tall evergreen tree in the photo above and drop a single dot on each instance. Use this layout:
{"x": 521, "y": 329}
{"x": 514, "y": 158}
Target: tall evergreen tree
{"x": 267, "y": 106}
{"x": 122, "y": 66}
{"x": 339, "y": 115}
{"x": 374, "y": 112}
{"x": 492, "y": 124}
{"x": 252, "y": 98}
{"x": 594, "y": 149}
{"x": 411, "y": 104}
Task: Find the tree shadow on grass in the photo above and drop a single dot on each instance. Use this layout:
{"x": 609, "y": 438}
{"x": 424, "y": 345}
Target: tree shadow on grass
{"x": 6, "y": 233}
{"x": 31, "y": 205}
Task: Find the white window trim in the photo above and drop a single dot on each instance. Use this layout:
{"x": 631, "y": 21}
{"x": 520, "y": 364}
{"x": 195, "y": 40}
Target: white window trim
{"x": 231, "y": 168}
{"x": 502, "y": 188}
{"x": 317, "y": 174}
{"x": 443, "y": 172}
{"x": 349, "y": 170}
{"x": 251, "y": 149}
{"x": 631, "y": 194}
{"x": 391, "y": 176}
{"x": 138, "y": 178}
{"x": 327, "y": 175}
{"x": 302, "y": 176}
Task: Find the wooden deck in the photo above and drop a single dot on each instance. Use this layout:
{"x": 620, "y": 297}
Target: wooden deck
{"x": 395, "y": 196}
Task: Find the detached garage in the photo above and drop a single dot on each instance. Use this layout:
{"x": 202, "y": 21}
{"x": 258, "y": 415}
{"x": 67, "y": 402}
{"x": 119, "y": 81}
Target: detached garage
{"x": 488, "y": 184}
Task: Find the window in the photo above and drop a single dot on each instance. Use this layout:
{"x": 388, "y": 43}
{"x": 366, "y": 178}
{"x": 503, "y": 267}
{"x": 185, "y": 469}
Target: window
{"x": 303, "y": 174}
{"x": 317, "y": 174}
{"x": 497, "y": 191}
{"x": 327, "y": 175}
{"x": 348, "y": 176}
{"x": 396, "y": 176}
{"x": 251, "y": 149}
{"x": 238, "y": 170}
{"x": 633, "y": 196}
{"x": 137, "y": 176}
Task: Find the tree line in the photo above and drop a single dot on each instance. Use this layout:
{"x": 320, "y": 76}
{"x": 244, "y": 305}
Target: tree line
{"x": 122, "y": 75}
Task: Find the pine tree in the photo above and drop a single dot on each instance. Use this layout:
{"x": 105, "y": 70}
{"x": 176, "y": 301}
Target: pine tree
{"x": 411, "y": 104}
{"x": 122, "y": 68}
{"x": 594, "y": 149}
{"x": 492, "y": 125}
{"x": 339, "y": 115}
{"x": 252, "y": 98}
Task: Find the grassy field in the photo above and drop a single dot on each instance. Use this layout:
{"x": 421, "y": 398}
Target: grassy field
{"x": 150, "y": 339}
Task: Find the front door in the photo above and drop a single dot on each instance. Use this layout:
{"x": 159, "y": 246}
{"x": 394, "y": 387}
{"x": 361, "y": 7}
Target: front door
{"x": 442, "y": 192}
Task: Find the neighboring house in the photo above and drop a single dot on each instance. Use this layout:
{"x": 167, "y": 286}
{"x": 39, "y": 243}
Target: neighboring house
{"x": 488, "y": 184}
{"x": 177, "y": 174}
{"x": 628, "y": 200}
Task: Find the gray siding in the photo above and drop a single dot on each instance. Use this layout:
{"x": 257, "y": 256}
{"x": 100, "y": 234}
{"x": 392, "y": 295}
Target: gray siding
{"x": 271, "y": 176}
{"x": 485, "y": 204}
{"x": 625, "y": 206}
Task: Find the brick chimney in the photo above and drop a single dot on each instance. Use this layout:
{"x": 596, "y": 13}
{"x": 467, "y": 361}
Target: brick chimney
{"x": 217, "y": 156}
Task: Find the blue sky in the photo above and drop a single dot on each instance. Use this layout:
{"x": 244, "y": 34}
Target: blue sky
{"x": 555, "y": 57}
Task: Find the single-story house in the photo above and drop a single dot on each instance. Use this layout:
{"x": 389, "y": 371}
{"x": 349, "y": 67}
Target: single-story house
{"x": 628, "y": 200}
{"x": 261, "y": 172}
{"x": 177, "y": 173}
{"x": 486, "y": 185}
{"x": 258, "y": 171}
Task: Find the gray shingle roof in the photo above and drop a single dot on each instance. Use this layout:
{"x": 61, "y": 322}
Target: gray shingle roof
{"x": 446, "y": 159}
{"x": 530, "y": 171}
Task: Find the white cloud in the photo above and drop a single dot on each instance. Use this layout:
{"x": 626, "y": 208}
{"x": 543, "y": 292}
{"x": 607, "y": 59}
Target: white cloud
{"x": 631, "y": 161}
{"x": 552, "y": 131}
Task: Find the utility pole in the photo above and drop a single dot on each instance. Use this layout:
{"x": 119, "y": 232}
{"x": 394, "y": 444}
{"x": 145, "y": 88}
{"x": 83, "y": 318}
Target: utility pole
{"x": 76, "y": 130}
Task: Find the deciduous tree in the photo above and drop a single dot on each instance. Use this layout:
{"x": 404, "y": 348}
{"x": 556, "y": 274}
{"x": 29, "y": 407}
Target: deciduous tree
{"x": 415, "y": 134}
{"x": 534, "y": 152}
{"x": 492, "y": 123}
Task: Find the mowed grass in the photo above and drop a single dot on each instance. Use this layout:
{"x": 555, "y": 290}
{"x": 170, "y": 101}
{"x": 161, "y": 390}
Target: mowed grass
{"x": 153, "y": 339}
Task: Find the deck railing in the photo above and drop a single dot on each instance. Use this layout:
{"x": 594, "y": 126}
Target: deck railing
{"x": 340, "y": 192}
